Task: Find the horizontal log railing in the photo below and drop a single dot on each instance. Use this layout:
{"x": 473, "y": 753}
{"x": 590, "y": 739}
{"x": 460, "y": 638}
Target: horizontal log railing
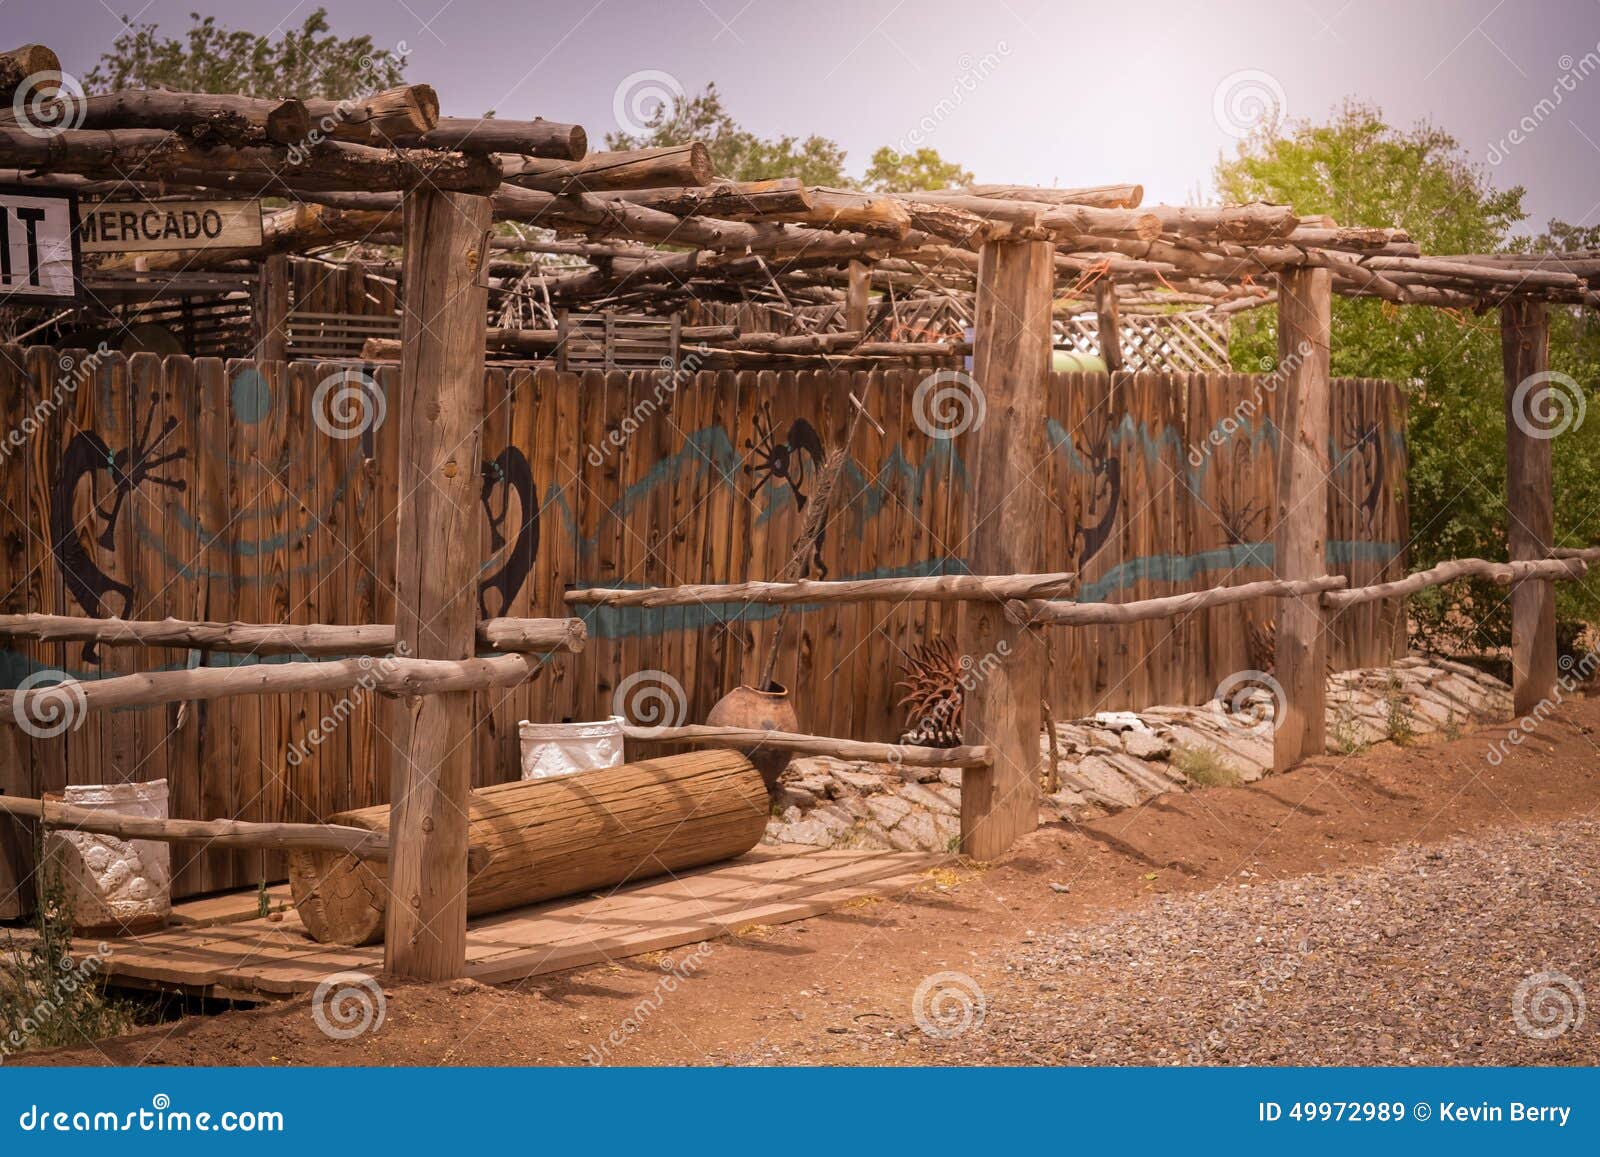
{"x": 933, "y": 588}
{"x": 282, "y": 638}
{"x": 907, "y": 754}
{"x": 1561, "y": 569}
{"x": 48, "y": 705}
{"x": 1035, "y": 612}
{"x": 359, "y": 842}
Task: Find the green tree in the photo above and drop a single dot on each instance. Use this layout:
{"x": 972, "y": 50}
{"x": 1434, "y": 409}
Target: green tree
{"x": 896, "y": 172}
{"x": 309, "y": 61}
{"x": 737, "y": 153}
{"x": 1363, "y": 171}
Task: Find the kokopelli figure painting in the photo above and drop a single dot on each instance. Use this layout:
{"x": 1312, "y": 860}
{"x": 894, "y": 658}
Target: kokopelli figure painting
{"x": 1097, "y": 517}
{"x": 1362, "y": 462}
{"x": 86, "y": 457}
{"x": 510, "y": 476}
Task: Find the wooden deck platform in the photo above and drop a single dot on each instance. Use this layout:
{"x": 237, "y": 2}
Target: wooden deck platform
{"x": 220, "y": 947}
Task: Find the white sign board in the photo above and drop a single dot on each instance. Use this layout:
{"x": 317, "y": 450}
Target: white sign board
{"x": 39, "y": 262}
{"x": 151, "y": 226}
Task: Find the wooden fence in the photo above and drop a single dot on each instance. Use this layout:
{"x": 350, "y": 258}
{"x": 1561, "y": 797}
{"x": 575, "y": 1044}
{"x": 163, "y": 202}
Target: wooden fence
{"x": 203, "y": 489}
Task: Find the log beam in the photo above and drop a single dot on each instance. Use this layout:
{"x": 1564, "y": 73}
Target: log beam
{"x": 1301, "y": 511}
{"x": 1530, "y": 509}
{"x": 675, "y": 165}
{"x": 506, "y": 634}
{"x": 1003, "y": 450}
{"x": 936, "y": 588}
{"x": 419, "y": 679}
{"x": 154, "y": 154}
{"x": 1169, "y": 606}
{"x": 1559, "y": 569}
{"x": 743, "y": 738}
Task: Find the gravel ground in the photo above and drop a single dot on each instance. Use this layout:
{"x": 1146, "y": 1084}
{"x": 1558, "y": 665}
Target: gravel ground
{"x": 1416, "y": 960}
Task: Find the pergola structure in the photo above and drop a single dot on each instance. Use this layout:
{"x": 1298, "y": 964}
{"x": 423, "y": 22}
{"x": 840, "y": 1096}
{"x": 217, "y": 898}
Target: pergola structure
{"x": 655, "y": 229}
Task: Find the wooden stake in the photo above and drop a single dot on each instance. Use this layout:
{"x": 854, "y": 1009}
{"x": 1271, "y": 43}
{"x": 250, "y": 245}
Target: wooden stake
{"x": 1530, "y": 512}
{"x": 1105, "y": 307}
{"x": 272, "y": 311}
{"x": 855, "y": 302}
{"x": 1300, "y": 533}
{"x": 436, "y": 575}
{"x": 1004, "y": 455}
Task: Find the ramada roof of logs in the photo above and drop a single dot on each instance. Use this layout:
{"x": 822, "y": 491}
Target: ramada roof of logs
{"x": 657, "y": 227}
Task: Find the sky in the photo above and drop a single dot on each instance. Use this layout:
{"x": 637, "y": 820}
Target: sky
{"x": 1018, "y": 91}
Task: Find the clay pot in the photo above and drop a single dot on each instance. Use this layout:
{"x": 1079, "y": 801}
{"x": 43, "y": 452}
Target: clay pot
{"x": 769, "y": 710}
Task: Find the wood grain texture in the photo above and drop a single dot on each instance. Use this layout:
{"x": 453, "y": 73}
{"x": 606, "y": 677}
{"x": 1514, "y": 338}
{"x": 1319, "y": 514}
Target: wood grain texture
{"x": 1300, "y": 512}
{"x": 1005, "y": 510}
{"x": 556, "y": 836}
{"x": 1530, "y": 503}
{"x": 440, "y": 543}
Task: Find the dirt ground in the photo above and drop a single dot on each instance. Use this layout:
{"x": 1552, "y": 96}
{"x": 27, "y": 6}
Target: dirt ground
{"x": 1377, "y": 908}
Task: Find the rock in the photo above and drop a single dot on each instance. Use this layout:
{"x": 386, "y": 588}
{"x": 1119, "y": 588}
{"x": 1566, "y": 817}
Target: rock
{"x": 922, "y": 796}
{"x": 1100, "y": 781}
{"x": 836, "y": 819}
{"x": 1146, "y": 745}
{"x": 916, "y": 833}
{"x": 792, "y": 796}
{"x": 1061, "y": 887}
{"x": 861, "y": 781}
{"x": 808, "y": 832}
{"x": 950, "y": 775}
{"x": 888, "y": 810}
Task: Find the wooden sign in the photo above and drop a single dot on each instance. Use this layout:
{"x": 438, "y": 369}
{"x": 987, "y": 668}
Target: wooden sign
{"x": 39, "y": 260}
{"x": 152, "y": 226}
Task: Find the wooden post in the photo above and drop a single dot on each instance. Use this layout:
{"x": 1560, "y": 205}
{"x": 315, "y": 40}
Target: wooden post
{"x": 1530, "y": 513}
{"x": 1300, "y": 531}
{"x": 1006, "y": 511}
{"x": 1109, "y": 325}
{"x": 436, "y": 575}
{"x": 855, "y": 299}
{"x": 272, "y": 310}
